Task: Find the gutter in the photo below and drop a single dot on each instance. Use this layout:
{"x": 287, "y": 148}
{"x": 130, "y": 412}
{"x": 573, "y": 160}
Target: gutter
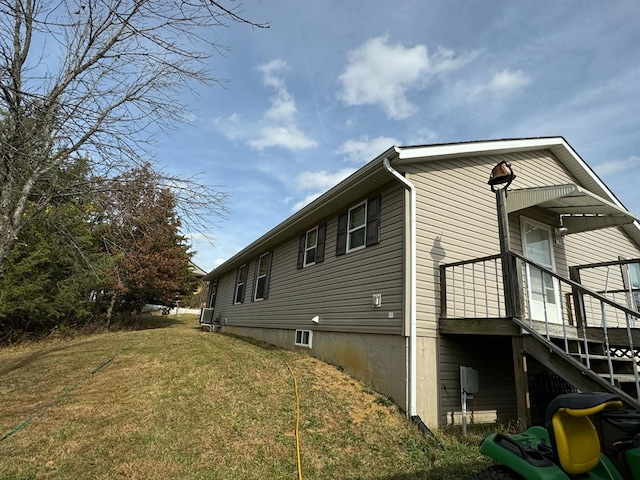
{"x": 412, "y": 287}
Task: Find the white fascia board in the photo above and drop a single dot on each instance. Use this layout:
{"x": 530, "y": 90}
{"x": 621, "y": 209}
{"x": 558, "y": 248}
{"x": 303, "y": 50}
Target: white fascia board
{"x": 477, "y": 148}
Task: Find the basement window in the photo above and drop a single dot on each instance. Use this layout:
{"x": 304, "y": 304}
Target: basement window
{"x": 303, "y": 338}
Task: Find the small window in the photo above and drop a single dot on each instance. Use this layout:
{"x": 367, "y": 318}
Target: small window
{"x": 262, "y": 277}
{"x": 357, "y": 225}
{"x": 303, "y": 338}
{"x": 241, "y": 281}
{"x": 311, "y": 244}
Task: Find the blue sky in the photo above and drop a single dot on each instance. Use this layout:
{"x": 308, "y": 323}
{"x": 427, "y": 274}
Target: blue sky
{"x": 332, "y": 84}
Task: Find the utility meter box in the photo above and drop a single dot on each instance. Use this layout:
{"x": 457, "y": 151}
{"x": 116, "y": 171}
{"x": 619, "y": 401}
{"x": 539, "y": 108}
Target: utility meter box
{"x": 469, "y": 380}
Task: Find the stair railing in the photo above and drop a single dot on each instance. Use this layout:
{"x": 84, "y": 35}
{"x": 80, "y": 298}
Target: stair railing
{"x": 565, "y": 311}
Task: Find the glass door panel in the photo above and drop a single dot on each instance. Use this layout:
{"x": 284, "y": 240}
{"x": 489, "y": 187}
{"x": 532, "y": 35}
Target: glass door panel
{"x": 543, "y": 288}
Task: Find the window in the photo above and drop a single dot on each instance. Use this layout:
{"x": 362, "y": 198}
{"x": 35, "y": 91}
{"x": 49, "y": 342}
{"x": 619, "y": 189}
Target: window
{"x": 263, "y": 267}
{"x": 359, "y": 226}
{"x": 311, "y": 246}
{"x": 241, "y": 280}
{"x": 303, "y": 338}
{"x": 631, "y": 282}
{"x": 213, "y": 293}
{"x": 634, "y": 277}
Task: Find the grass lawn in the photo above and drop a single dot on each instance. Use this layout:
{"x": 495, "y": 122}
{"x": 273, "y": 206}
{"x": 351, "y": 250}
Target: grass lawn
{"x": 174, "y": 402}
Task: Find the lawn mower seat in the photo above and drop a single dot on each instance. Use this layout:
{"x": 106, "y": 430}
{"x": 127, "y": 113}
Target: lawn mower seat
{"x": 572, "y": 434}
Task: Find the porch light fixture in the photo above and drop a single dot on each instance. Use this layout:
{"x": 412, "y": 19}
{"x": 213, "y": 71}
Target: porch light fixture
{"x": 502, "y": 174}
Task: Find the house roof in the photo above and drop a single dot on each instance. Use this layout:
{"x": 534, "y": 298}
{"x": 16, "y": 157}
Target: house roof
{"x": 196, "y": 270}
{"x": 374, "y": 175}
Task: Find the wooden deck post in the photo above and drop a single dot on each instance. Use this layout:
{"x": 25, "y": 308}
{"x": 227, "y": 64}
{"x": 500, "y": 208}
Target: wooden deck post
{"x": 505, "y": 246}
{"x": 523, "y": 405}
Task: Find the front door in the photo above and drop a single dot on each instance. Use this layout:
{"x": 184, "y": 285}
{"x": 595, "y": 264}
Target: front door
{"x": 542, "y": 288}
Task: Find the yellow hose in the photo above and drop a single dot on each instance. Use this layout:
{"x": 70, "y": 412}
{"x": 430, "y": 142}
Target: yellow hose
{"x": 297, "y": 433}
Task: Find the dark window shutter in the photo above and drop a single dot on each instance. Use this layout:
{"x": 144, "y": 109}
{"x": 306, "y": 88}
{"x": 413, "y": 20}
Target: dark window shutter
{"x": 341, "y": 240}
{"x": 322, "y": 233}
{"x": 301, "y": 246}
{"x": 373, "y": 220}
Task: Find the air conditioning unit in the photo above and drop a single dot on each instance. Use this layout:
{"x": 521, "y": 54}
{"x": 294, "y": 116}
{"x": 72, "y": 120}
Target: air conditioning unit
{"x": 206, "y": 316}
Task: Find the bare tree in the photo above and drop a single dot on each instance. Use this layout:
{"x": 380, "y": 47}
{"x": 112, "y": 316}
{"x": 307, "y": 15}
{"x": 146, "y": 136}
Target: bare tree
{"x": 95, "y": 79}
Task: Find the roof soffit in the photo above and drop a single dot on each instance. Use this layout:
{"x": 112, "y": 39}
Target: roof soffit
{"x": 580, "y": 209}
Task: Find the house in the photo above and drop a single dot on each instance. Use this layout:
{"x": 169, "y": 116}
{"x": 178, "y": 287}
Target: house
{"x": 412, "y": 268}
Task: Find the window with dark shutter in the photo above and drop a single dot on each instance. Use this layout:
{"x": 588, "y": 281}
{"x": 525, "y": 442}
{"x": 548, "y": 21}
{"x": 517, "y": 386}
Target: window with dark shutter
{"x": 311, "y": 246}
{"x": 359, "y": 226}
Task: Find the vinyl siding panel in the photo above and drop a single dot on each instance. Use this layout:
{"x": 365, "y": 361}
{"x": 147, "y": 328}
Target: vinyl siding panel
{"x": 338, "y": 290}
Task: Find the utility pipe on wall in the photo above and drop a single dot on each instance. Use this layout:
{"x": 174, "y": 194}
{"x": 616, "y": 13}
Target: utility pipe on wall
{"x": 412, "y": 287}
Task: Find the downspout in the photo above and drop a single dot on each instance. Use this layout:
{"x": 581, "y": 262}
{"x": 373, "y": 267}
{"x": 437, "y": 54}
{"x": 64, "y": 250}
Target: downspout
{"x": 412, "y": 287}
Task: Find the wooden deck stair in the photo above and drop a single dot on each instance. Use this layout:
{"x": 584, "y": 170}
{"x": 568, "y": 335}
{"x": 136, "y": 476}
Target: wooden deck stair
{"x": 586, "y": 365}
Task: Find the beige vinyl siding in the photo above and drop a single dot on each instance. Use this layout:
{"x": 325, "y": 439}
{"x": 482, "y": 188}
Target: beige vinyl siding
{"x": 338, "y": 290}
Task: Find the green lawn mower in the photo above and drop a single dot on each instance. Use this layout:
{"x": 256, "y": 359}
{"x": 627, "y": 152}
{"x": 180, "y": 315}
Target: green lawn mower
{"x": 587, "y": 436}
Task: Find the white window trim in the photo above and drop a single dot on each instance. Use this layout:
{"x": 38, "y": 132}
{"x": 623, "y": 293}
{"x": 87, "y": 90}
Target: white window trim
{"x": 258, "y": 277}
{"x": 363, "y": 226}
{"x": 307, "y": 249}
{"x": 302, "y": 334}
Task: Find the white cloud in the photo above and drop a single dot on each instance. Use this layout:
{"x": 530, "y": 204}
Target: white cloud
{"x": 281, "y": 129}
{"x": 615, "y": 166}
{"x": 319, "y": 182}
{"x": 217, "y": 262}
{"x": 322, "y": 180}
{"x": 501, "y": 84}
{"x": 305, "y": 201}
{"x": 283, "y": 107}
{"x": 231, "y": 126}
{"x": 285, "y": 136}
{"x": 366, "y": 149}
{"x": 278, "y": 126}
{"x": 271, "y": 73}
{"x": 424, "y": 136}
{"x": 382, "y": 73}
